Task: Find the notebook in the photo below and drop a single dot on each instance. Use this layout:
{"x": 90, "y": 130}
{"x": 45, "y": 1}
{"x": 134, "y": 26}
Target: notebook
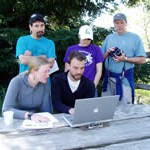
{"x": 92, "y": 111}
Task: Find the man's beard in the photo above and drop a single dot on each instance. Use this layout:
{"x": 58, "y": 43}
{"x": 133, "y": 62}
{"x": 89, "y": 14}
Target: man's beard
{"x": 39, "y": 34}
{"x": 76, "y": 77}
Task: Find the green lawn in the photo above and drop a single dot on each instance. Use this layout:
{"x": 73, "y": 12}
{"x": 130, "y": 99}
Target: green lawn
{"x": 143, "y": 96}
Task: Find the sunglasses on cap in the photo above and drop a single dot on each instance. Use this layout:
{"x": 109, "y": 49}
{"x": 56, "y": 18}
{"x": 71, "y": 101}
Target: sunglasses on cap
{"x": 36, "y": 17}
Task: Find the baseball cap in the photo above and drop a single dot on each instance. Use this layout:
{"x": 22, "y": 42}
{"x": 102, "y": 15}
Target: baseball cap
{"x": 120, "y": 16}
{"x": 36, "y": 17}
{"x": 85, "y": 32}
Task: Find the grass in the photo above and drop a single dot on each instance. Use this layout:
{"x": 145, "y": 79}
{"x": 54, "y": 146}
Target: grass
{"x": 142, "y": 96}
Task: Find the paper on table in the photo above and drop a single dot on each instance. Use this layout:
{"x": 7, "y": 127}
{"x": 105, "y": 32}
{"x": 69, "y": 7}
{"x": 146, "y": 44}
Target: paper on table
{"x": 29, "y": 124}
{"x": 49, "y": 116}
{"x": 54, "y": 68}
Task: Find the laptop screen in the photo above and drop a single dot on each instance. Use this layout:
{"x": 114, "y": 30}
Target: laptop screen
{"x": 97, "y": 109}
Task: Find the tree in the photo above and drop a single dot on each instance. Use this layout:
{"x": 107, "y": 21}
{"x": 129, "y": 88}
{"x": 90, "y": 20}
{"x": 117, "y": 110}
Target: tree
{"x": 64, "y": 18}
{"x": 142, "y": 9}
{"x": 15, "y": 13}
{"x": 132, "y": 3}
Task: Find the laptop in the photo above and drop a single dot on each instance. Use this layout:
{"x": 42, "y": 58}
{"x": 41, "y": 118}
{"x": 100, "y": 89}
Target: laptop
{"x": 94, "y": 111}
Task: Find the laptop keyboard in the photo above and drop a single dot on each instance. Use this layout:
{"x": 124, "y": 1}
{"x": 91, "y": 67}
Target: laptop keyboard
{"x": 69, "y": 117}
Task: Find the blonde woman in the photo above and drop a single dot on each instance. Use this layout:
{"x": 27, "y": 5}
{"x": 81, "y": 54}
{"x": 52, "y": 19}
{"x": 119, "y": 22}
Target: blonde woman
{"x": 29, "y": 93}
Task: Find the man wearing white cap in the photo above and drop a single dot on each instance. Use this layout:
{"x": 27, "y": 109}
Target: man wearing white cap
{"x": 121, "y": 51}
{"x": 94, "y": 57}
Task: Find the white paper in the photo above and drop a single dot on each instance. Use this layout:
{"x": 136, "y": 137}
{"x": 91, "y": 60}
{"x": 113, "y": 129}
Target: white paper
{"x": 49, "y": 116}
{"x": 54, "y": 68}
{"x": 29, "y": 124}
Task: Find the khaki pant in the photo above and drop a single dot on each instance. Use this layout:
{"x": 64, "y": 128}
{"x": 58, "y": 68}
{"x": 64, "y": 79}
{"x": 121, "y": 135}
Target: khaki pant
{"x": 111, "y": 90}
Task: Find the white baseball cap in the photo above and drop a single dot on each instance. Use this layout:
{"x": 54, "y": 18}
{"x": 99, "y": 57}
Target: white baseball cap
{"x": 85, "y": 32}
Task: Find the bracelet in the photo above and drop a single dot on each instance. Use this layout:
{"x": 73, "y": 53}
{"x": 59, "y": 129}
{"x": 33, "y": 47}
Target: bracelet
{"x": 126, "y": 58}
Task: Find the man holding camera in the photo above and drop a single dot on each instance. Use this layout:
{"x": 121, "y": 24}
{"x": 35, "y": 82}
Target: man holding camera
{"x": 121, "y": 51}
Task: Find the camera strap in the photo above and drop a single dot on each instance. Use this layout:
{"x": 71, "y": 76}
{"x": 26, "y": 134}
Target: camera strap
{"x": 123, "y": 69}
{"x": 128, "y": 74}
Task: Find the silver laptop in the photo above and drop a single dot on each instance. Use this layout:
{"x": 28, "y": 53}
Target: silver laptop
{"x": 92, "y": 111}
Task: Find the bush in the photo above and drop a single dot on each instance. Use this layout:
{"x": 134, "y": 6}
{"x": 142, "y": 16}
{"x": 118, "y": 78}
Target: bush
{"x": 142, "y": 73}
{"x": 8, "y": 61}
{"x": 2, "y": 95}
{"x": 62, "y": 38}
{"x": 142, "y": 96}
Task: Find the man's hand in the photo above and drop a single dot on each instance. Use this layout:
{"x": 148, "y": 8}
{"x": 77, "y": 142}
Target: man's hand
{"x": 27, "y": 53}
{"x": 120, "y": 58}
{"x": 71, "y": 111}
{"x": 25, "y": 57}
{"x": 51, "y": 60}
{"x": 108, "y": 52}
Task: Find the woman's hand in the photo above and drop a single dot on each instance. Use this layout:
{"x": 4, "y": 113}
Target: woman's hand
{"x": 39, "y": 118}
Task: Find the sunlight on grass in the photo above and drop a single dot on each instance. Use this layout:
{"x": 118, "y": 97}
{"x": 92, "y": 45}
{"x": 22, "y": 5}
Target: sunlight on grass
{"x": 142, "y": 96}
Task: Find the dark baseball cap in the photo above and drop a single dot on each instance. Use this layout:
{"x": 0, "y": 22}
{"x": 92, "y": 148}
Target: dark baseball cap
{"x": 36, "y": 17}
{"x": 120, "y": 16}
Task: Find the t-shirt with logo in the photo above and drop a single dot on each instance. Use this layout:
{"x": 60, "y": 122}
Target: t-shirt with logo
{"x": 93, "y": 56}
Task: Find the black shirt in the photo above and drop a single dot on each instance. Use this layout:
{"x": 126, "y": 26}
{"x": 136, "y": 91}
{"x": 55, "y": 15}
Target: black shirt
{"x": 63, "y": 98}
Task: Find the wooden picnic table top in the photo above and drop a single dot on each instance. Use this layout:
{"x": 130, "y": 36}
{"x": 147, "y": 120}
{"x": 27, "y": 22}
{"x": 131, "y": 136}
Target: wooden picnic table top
{"x": 130, "y": 130}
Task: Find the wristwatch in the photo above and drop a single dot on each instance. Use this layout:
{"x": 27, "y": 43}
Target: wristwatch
{"x": 29, "y": 115}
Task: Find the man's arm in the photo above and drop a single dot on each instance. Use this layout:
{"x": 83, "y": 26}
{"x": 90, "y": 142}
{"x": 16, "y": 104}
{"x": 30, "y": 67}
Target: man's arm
{"x": 98, "y": 73}
{"x": 106, "y": 54}
{"x": 51, "y": 60}
{"x": 25, "y": 59}
{"x": 89, "y": 87}
{"x": 135, "y": 60}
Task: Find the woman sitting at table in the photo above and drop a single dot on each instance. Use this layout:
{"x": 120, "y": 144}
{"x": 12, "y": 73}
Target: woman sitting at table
{"x": 29, "y": 92}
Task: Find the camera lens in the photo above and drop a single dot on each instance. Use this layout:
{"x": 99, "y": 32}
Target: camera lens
{"x": 116, "y": 52}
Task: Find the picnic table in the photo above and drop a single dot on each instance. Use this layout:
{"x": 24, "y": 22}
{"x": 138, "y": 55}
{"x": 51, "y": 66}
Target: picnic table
{"x": 129, "y": 130}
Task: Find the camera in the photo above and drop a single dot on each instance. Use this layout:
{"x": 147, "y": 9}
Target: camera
{"x": 116, "y": 52}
